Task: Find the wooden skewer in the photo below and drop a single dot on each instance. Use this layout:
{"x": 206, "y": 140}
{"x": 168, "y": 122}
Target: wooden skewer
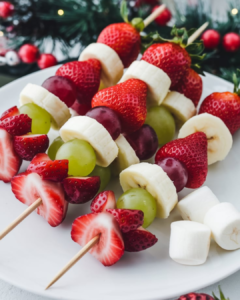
{"x": 26, "y": 213}
{"x": 154, "y": 15}
{"x": 75, "y": 259}
{"x": 197, "y": 33}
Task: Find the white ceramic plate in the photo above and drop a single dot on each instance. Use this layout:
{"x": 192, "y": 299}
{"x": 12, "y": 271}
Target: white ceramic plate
{"x": 34, "y": 252}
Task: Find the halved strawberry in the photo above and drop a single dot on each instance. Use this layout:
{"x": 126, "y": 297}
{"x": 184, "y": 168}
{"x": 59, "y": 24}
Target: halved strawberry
{"x": 128, "y": 219}
{"x": 103, "y": 201}
{"x": 13, "y": 111}
{"x": 17, "y": 125}
{"x": 110, "y": 247}
{"x": 28, "y": 187}
{"x": 27, "y": 146}
{"x": 54, "y": 170}
{"x": 138, "y": 240}
{"x": 81, "y": 189}
{"x": 10, "y": 162}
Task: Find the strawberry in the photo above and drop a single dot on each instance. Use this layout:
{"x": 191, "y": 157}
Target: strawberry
{"x": 128, "y": 219}
{"x": 226, "y": 106}
{"x": 103, "y": 201}
{"x": 128, "y": 100}
{"x": 171, "y": 58}
{"x": 110, "y": 246}
{"x": 192, "y": 152}
{"x": 194, "y": 296}
{"x": 85, "y": 75}
{"x": 13, "y": 111}
{"x": 191, "y": 86}
{"x": 27, "y": 146}
{"x": 28, "y": 187}
{"x": 17, "y": 125}
{"x": 124, "y": 39}
{"x": 138, "y": 240}
{"x": 81, "y": 189}
{"x": 80, "y": 109}
{"x": 55, "y": 170}
{"x": 10, "y": 162}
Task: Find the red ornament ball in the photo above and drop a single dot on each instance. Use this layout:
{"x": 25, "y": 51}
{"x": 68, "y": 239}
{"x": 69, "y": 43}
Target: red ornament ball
{"x": 46, "y": 61}
{"x": 231, "y": 42}
{"x": 164, "y": 17}
{"x": 29, "y": 53}
{"x": 211, "y": 39}
{"x": 6, "y": 9}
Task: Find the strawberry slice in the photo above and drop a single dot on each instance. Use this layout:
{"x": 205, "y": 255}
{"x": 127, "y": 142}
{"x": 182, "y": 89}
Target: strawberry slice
{"x": 27, "y": 146}
{"x": 54, "y": 170}
{"x": 11, "y": 112}
{"x": 81, "y": 189}
{"x": 28, "y": 187}
{"x": 138, "y": 240}
{"x": 103, "y": 201}
{"x": 17, "y": 125}
{"x": 10, "y": 162}
{"x": 128, "y": 219}
{"x": 110, "y": 247}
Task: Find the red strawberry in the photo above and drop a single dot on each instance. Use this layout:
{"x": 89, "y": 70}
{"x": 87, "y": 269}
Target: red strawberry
{"x": 226, "y": 106}
{"x": 110, "y": 247}
{"x": 128, "y": 219}
{"x": 124, "y": 39}
{"x": 171, "y": 58}
{"x": 194, "y": 296}
{"x": 13, "y": 111}
{"x": 10, "y": 162}
{"x": 191, "y": 86}
{"x": 28, "y": 187}
{"x": 17, "y": 125}
{"x": 128, "y": 100}
{"x": 138, "y": 240}
{"x": 81, "y": 109}
{"x": 192, "y": 152}
{"x": 81, "y": 189}
{"x": 55, "y": 170}
{"x": 86, "y": 76}
{"x": 27, "y": 146}
{"x": 103, "y": 201}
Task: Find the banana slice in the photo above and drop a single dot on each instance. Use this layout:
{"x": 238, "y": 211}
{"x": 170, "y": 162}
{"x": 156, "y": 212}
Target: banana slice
{"x": 224, "y": 221}
{"x": 157, "y": 81}
{"x": 59, "y": 111}
{"x": 180, "y": 106}
{"x": 155, "y": 181}
{"x": 219, "y": 137}
{"x": 88, "y": 129}
{"x": 126, "y": 156}
{"x": 112, "y": 66}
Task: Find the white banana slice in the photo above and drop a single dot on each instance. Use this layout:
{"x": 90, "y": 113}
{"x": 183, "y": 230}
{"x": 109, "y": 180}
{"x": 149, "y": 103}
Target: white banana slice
{"x": 88, "y": 129}
{"x": 189, "y": 243}
{"x": 194, "y": 206}
{"x": 59, "y": 111}
{"x": 126, "y": 156}
{"x": 157, "y": 81}
{"x": 112, "y": 66}
{"x": 219, "y": 137}
{"x": 152, "y": 178}
{"x": 224, "y": 221}
{"x": 180, "y": 106}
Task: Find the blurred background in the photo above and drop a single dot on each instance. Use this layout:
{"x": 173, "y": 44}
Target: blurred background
{"x": 36, "y": 34}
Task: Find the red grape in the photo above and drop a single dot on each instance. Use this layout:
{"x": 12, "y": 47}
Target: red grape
{"x": 80, "y": 109}
{"x": 108, "y": 118}
{"x": 176, "y": 171}
{"x": 144, "y": 141}
{"x": 61, "y": 87}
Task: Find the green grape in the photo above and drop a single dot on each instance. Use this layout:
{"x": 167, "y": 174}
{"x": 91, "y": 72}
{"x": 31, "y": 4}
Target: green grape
{"x": 161, "y": 120}
{"x": 80, "y": 155}
{"x": 104, "y": 174}
{"x": 41, "y": 119}
{"x": 53, "y": 149}
{"x": 142, "y": 200}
